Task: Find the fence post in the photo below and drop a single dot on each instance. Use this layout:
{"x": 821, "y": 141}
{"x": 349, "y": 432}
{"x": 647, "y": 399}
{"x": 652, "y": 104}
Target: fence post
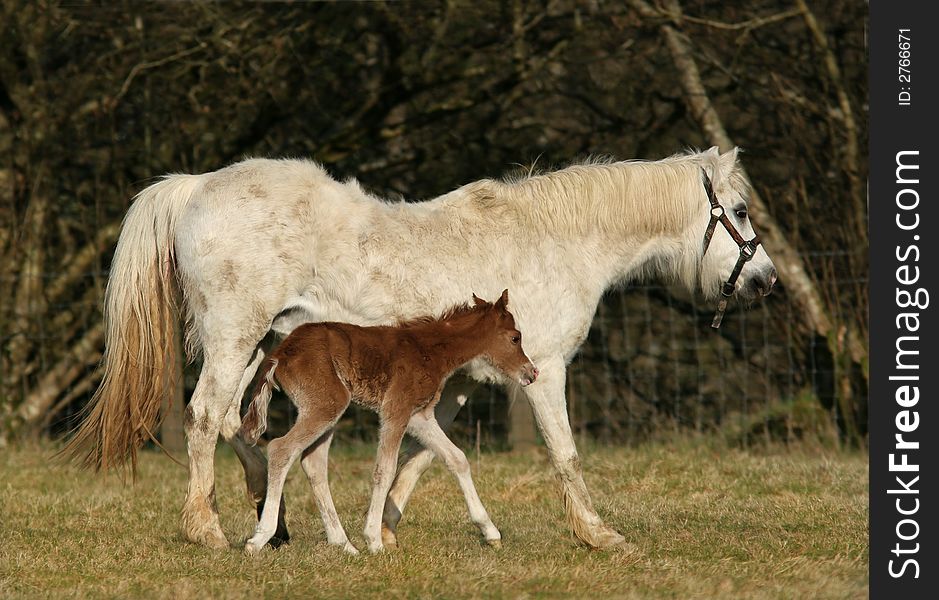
{"x": 522, "y": 434}
{"x": 172, "y": 435}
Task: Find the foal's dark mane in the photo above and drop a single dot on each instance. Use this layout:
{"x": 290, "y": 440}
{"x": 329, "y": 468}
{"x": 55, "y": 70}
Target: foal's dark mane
{"x": 453, "y": 313}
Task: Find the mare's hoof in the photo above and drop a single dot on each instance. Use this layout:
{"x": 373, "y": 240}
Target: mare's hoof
{"x": 604, "y": 538}
{"x": 497, "y": 544}
{"x": 388, "y": 537}
{"x": 607, "y": 538}
{"x": 212, "y": 539}
{"x": 349, "y": 548}
{"x": 279, "y": 540}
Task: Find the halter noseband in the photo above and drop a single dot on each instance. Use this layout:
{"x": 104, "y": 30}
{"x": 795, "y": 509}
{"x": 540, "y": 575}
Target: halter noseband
{"x": 747, "y": 248}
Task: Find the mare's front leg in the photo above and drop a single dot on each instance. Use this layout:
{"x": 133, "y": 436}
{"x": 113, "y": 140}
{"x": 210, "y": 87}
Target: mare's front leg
{"x": 425, "y": 428}
{"x": 389, "y": 442}
{"x": 417, "y": 459}
{"x": 218, "y": 385}
{"x": 549, "y": 405}
{"x": 315, "y": 464}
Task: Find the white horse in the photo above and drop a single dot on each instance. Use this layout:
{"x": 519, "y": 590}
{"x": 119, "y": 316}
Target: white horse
{"x": 265, "y": 245}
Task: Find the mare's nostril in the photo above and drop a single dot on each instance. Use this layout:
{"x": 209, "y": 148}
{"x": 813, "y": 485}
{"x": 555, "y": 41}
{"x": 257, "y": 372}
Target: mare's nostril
{"x": 770, "y": 282}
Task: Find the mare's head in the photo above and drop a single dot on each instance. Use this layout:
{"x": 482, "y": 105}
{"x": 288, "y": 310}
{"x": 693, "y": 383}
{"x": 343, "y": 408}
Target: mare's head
{"x": 722, "y": 174}
{"x": 503, "y": 341}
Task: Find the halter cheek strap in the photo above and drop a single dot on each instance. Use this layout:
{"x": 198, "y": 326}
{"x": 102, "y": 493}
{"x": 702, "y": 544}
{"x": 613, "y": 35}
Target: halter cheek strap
{"x": 747, "y": 248}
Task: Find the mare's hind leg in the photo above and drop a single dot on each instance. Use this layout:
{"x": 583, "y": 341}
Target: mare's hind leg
{"x": 315, "y": 464}
{"x": 417, "y": 459}
{"x": 218, "y": 384}
{"x": 254, "y": 462}
{"x": 281, "y": 454}
{"x": 425, "y": 428}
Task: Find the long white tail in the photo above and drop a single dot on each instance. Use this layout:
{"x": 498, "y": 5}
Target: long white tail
{"x": 254, "y": 422}
{"x": 141, "y": 319}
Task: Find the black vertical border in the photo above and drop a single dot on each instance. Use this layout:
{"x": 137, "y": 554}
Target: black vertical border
{"x": 895, "y": 128}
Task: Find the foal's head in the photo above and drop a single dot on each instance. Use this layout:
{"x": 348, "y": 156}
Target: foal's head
{"x": 503, "y": 341}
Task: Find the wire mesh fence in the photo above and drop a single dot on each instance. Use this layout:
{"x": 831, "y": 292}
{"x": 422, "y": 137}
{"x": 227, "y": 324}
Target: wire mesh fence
{"x": 651, "y": 365}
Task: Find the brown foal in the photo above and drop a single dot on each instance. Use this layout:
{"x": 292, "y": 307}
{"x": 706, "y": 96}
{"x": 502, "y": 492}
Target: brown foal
{"x": 398, "y": 372}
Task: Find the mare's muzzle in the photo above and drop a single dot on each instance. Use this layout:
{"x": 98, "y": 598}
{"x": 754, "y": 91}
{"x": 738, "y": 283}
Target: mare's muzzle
{"x": 747, "y": 250}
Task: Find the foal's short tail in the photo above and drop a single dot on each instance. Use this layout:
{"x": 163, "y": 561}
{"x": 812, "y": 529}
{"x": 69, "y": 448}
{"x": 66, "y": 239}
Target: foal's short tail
{"x": 255, "y": 420}
{"x": 140, "y": 315}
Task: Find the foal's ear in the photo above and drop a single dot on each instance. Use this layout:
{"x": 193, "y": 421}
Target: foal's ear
{"x": 477, "y": 301}
{"x": 503, "y": 301}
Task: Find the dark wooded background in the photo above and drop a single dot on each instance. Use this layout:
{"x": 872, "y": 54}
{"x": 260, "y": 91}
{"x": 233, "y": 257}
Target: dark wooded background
{"x": 416, "y": 98}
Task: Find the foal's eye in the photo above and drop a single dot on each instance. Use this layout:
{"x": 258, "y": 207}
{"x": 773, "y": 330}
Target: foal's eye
{"x": 516, "y": 339}
{"x": 741, "y": 213}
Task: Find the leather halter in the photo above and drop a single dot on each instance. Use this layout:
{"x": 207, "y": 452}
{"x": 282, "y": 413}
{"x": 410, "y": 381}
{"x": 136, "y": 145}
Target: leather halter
{"x": 747, "y": 248}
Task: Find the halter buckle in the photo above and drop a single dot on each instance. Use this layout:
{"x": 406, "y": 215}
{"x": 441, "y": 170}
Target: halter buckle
{"x": 748, "y": 250}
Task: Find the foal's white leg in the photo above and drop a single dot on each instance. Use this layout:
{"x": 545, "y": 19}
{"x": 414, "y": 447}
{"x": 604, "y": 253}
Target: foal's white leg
{"x": 276, "y": 477}
{"x": 417, "y": 459}
{"x": 430, "y": 434}
{"x": 550, "y": 407}
{"x": 315, "y": 464}
{"x": 389, "y": 442}
{"x": 282, "y": 452}
{"x": 252, "y": 459}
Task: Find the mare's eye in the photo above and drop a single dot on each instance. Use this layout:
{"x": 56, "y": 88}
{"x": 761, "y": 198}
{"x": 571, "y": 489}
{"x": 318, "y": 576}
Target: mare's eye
{"x": 516, "y": 339}
{"x": 741, "y": 213}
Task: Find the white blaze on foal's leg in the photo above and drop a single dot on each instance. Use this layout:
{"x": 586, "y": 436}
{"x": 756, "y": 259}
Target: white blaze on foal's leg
{"x": 252, "y": 459}
{"x": 315, "y": 464}
{"x": 418, "y": 459}
{"x": 281, "y": 454}
{"x": 432, "y": 436}
{"x": 389, "y": 441}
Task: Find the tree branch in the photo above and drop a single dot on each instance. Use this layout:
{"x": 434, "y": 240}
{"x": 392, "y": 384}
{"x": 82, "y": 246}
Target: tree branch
{"x": 792, "y": 270}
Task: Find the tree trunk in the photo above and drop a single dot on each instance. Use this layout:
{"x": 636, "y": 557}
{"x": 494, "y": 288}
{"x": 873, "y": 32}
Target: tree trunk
{"x": 792, "y": 272}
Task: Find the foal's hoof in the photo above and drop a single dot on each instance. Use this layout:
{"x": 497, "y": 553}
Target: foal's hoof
{"x": 388, "y": 537}
{"x": 497, "y": 544}
{"x": 376, "y": 548}
{"x": 281, "y": 535}
{"x": 252, "y": 549}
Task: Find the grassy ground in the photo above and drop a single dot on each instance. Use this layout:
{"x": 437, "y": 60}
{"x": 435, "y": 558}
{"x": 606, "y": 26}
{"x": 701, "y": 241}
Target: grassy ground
{"x": 704, "y": 522}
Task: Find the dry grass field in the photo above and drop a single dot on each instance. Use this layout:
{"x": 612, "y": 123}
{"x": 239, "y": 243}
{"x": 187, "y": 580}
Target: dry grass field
{"x": 704, "y": 522}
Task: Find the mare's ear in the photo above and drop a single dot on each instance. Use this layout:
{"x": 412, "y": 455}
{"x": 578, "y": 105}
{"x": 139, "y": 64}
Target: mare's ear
{"x": 728, "y": 162}
{"x": 503, "y": 300}
{"x": 713, "y": 166}
{"x": 477, "y": 301}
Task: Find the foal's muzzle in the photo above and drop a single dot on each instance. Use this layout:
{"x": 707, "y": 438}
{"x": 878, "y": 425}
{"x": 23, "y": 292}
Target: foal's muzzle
{"x": 529, "y": 374}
